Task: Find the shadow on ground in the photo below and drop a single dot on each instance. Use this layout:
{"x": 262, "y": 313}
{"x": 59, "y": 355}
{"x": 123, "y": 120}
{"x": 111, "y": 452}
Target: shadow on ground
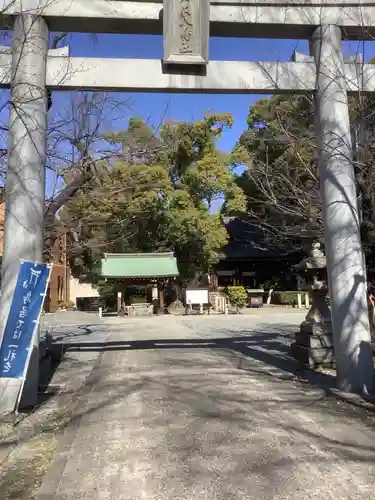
{"x": 215, "y": 403}
{"x": 247, "y": 350}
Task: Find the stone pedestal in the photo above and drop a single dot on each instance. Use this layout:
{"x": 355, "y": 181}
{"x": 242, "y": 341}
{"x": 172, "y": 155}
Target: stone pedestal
{"x": 313, "y": 345}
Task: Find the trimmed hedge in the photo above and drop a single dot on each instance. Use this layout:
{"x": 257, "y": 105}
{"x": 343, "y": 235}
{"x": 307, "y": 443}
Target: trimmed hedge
{"x": 286, "y": 298}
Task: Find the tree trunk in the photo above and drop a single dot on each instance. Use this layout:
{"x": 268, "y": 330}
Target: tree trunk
{"x": 62, "y": 198}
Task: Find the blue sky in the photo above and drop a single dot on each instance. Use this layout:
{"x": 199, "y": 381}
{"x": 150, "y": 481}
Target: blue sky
{"x": 187, "y": 106}
{"x": 154, "y": 107}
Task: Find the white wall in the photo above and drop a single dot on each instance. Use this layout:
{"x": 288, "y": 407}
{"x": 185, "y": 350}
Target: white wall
{"x": 77, "y": 289}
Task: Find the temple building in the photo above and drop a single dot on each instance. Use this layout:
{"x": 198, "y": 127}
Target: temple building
{"x": 251, "y": 259}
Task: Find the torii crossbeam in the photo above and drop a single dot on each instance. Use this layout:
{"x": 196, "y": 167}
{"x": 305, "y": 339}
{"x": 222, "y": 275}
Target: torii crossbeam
{"x": 228, "y": 18}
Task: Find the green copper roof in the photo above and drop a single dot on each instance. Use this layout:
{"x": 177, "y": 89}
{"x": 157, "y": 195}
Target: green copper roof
{"x": 139, "y": 265}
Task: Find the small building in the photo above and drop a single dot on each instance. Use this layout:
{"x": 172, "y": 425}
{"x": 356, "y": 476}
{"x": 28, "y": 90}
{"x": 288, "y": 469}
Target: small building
{"x": 135, "y": 272}
{"x": 79, "y": 290}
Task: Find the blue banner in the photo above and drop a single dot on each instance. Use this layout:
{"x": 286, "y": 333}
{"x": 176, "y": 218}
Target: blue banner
{"x": 23, "y": 318}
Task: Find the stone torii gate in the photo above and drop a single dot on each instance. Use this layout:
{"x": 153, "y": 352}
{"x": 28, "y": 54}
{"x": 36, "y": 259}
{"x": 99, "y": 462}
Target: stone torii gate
{"x": 29, "y": 69}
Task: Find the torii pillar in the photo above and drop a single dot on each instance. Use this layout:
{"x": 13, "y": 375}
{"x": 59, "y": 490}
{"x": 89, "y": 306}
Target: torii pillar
{"x": 345, "y": 258}
{"x": 25, "y": 181}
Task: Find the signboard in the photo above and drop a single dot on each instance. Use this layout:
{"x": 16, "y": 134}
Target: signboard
{"x": 197, "y": 296}
{"x": 186, "y": 28}
{"x": 226, "y": 273}
{"x": 23, "y": 318}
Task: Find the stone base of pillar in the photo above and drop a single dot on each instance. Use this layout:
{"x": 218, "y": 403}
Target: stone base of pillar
{"x": 314, "y": 357}
{"x": 313, "y": 344}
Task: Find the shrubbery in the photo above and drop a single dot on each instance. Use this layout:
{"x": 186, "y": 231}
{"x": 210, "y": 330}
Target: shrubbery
{"x": 237, "y": 296}
{"x": 287, "y": 298}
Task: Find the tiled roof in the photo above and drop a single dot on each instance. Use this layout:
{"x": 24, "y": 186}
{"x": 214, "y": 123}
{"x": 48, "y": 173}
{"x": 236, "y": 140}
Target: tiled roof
{"x": 139, "y": 265}
{"x": 249, "y": 241}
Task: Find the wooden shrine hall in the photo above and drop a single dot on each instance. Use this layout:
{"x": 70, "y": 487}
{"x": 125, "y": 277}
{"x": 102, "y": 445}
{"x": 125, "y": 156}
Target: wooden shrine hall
{"x": 150, "y": 271}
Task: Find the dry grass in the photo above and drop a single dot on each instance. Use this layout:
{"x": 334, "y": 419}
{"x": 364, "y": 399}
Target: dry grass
{"x": 28, "y": 448}
{"x": 27, "y": 452}
{"x": 24, "y": 470}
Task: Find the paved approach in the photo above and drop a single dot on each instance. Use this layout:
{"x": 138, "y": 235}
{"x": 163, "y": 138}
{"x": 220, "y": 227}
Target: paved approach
{"x": 207, "y": 408}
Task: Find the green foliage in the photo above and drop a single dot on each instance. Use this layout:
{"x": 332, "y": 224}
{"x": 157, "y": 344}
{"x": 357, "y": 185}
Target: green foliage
{"x": 157, "y": 195}
{"x": 108, "y": 292}
{"x": 237, "y": 296}
{"x": 209, "y": 178}
{"x": 281, "y": 182}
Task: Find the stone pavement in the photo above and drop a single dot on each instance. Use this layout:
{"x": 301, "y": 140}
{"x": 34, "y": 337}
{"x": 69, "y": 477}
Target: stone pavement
{"x": 208, "y": 408}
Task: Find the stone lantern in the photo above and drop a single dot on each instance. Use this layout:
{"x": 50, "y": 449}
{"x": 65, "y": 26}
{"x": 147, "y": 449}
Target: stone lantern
{"x": 313, "y": 345}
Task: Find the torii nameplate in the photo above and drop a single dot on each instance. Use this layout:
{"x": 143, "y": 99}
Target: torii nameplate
{"x": 186, "y": 27}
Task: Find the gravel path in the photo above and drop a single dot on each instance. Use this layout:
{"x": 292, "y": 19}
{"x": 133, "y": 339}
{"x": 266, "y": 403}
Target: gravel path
{"x": 206, "y": 408}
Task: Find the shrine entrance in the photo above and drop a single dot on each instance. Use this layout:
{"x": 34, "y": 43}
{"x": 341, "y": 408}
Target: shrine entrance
{"x": 150, "y": 271}
{"x": 29, "y": 68}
